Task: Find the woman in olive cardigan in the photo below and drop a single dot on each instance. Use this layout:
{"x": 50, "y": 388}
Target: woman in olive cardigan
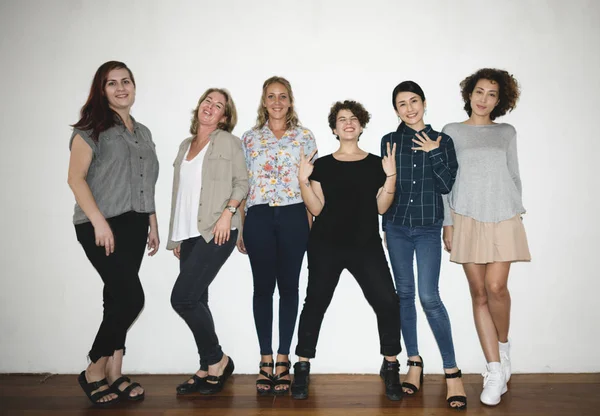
{"x": 210, "y": 181}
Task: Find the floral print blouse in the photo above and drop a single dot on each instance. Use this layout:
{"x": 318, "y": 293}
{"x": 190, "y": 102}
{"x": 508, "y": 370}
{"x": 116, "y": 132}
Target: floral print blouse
{"x": 273, "y": 165}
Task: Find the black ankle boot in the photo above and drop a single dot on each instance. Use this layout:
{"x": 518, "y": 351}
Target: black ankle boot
{"x": 390, "y": 373}
{"x": 301, "y": 379}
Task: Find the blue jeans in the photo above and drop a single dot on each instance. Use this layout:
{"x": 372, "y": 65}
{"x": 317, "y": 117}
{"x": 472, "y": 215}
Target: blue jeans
{"x": 402, "y": 243}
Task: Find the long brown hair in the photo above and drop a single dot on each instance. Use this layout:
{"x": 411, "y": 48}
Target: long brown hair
{"x": 291, "y": 117}
{"x": 96, "y": 115}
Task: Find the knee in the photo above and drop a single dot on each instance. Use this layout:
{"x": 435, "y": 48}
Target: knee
{"x": 315, "y": 305}
{"x": 479, "y": 297}
{"x": 388, "y": 304}
{"x": 177, "y": 302}
{"x": 430, "y": 301}
{"x": 406, "y": 294}
{"x": 288, "y": 290}
{"x": 135, "y": 303}
{"x": 497, "y": 290}
{"x": 263, "y": 288}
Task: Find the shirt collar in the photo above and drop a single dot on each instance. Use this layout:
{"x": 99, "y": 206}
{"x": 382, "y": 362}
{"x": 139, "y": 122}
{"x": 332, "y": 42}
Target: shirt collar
{"x": 404, "y": 129}
{"x": 120, "y": 123}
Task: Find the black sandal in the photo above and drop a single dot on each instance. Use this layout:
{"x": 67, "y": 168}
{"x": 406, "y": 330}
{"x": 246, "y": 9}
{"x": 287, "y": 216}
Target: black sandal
{"x": 278, "y": 381}
{"x": 390, "y": 373}
{"x": 299, "y": 387}
{"x": 219, "y": 381}
{"x": 187, "y": 387}
{"x": 265, "y": 382}
{"x": 411, "y": 386}
{"x": 125, "y": 393}
{"x": 88, "y": 388}
{"x": 461, "y": 399}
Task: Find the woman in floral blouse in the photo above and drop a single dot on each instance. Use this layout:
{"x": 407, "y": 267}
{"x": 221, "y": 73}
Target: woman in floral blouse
{"x": 276, "y": 224}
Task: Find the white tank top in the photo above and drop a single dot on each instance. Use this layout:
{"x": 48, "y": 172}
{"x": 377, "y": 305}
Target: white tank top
{"x": 185, "y": 222}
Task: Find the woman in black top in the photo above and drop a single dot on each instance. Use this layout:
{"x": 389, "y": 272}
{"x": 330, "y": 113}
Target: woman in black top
{"x": 346, "y": 192}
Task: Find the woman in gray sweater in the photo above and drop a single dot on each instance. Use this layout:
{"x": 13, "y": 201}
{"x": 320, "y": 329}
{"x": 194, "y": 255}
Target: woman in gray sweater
{"x": 483, "y": 230}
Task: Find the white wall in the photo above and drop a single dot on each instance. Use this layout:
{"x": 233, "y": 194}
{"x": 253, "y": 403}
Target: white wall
{"x": 50, "y": 296}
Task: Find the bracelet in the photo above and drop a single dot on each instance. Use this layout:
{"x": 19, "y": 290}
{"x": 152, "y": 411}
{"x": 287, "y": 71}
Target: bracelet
{"x": 389, "y": 176}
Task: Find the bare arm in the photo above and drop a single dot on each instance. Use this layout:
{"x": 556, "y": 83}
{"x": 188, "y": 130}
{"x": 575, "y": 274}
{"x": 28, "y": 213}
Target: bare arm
{"x": 385, "y": 196}
{"x": 312, "y": 193}
{"x": 79, "y": 163}
{"x": 313, "y": 197}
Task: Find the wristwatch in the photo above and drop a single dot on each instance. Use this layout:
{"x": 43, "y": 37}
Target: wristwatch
{"x": 231, "y": 209}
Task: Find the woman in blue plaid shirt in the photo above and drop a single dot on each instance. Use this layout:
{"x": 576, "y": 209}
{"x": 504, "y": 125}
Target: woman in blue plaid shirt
{"x": 426, "y": 168}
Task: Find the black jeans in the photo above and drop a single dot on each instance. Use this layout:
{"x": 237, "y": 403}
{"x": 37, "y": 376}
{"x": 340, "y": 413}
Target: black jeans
{"x": 276, "y": 239}
{"x": 123, "y": 293}
{"x": 369, "y": 267}
{"x": 198, "y": 266}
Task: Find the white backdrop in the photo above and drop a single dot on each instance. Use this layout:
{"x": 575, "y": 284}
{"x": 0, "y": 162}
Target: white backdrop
{"x": 50, "y": 296}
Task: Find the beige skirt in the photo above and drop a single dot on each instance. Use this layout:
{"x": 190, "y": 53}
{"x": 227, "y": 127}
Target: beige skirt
{"x": 488, "y": 242}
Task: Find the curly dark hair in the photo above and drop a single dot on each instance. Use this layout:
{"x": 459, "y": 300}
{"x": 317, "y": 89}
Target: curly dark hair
{"x": 508, "y": 87}
{"x": 354, "y": 107}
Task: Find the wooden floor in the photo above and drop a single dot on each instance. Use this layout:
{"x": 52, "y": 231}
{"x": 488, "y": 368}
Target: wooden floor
{"x": 330, "y": 395}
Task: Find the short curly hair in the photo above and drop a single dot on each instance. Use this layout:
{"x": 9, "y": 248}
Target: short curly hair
{"x": 508, "y": 93}
{"x": 354, "y": 107}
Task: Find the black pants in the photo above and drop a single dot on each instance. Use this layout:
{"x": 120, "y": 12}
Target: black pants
{"x": 198, "y": 266}
{"x": 276, "y": 239}
{"x": 369, "y": 267}
{"x": 123, "y": 293}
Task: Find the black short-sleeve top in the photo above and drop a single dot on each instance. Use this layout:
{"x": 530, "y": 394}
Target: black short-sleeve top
{"x": 350, "y": 216}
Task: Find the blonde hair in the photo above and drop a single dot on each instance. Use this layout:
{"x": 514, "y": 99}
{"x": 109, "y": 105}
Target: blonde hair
{"x": 230, "y": 111}
{"x": 291, "y": 117}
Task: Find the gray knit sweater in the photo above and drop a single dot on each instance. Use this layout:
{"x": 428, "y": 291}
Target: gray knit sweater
{"x": 488, "y": 186}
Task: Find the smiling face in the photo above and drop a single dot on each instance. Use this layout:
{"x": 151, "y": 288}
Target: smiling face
{"x": 119, "y": 89}
{"x": 347, "y": 126}
{"x": 211, "y": 110}
{"x": 277, "y": 101}
{"x": 484, "y": 97}
{"x": 410, "y": 108}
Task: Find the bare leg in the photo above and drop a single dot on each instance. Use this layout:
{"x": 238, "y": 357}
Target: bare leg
{"x": 114, "y": 366}
{"x": 96, "y": 372}
{"x": 486, "y": 330}
{"x": 280, "y": 369}
{"x": 218, "y": 369}
{"x": 414, "y": 375}
{"x": 268, "y": 370}
{"x": 455, "y": 386}
{"x": 496, "y": 278}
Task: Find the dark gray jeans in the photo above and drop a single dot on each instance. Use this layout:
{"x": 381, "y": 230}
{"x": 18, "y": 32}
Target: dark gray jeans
{"x": 198, "y": 266}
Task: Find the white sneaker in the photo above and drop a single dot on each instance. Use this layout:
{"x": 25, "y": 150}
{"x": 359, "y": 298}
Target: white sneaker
{"x": 505, "y": 359}
{"x": 494, "y": 384}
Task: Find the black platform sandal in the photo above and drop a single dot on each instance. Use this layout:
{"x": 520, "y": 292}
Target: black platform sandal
{"x": 88, "y": 388}
{"x": 301, "y": 381}
{"x": 125, "y": 393}
{"x": 461, "y": 399}
{"x": 188, "y": 388}
{"x": 218, "y": 382}
{"x": 278, "y": 381}
{"x": 411, "y": 386}
{"x": 390, "y": 373}
{"x": 265, "y": 382}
